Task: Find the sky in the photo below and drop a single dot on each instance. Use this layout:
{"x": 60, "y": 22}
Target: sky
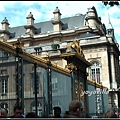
{"x": 17, "y": 11}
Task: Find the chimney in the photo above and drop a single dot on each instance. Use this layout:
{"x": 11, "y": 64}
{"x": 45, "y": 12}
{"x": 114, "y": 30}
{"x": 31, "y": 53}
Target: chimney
{"x": 4, "y": 33}
{"x": 5, "y": 24}
{"x": 56, "y": 21}
{"x": 30, "y": 19}
{"x": 30, "y": 29}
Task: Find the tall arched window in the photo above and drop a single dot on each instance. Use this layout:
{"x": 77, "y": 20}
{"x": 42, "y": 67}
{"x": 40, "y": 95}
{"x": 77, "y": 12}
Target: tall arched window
{"x": 95, "y": 72}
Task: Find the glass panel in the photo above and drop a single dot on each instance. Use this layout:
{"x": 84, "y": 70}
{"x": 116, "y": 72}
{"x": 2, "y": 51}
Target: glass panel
{"x": 82, "y": 89}
{"x": 4, "y": 86}
{"x": 93, "y": 74}
{"x": 28, "y": 74}
{"x": 61, "y": 92}
{"x": 29, "y": 88}
{"x": 42, "y": 94}
{"x": 98, "y": 101}
{"x": 98, "y": 74}
{"x": 8, "y": 71}
{"x": 91, "y": 100}
{"x": 7, "y": 81}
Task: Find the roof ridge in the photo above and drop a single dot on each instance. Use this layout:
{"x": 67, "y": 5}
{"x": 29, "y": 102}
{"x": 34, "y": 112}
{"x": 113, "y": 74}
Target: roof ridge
{"x": 48, "y": 21}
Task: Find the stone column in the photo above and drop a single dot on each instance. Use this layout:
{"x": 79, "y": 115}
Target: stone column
{"x": 112, "y": 67}
{"x": 113, "y": 84}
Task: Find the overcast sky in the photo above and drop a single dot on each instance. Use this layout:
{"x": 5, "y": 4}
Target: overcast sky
{"x": 17, "y": 11}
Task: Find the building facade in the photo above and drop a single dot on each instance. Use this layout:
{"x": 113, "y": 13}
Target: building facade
{"x": 53, "y": 37}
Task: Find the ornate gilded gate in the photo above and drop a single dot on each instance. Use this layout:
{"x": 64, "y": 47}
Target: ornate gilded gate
{"x": 39, "y": 82}
{"x": 77, "y": 64}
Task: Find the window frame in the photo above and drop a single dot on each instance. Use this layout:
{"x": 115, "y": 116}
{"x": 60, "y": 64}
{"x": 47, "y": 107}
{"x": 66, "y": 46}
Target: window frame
{"x": 4, "y": 84}
{"x": 5, "y": 105}
{"x": 95, "y": 71}
{"x": 54, "y": 83}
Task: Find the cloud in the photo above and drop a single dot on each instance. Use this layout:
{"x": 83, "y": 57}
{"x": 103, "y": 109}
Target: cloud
{"x": 27, "y": 3}
{"x": 113, "y": 10}
{"x": 42, "y": 3}
{"x": 36, "y": 13}
{"x": 69, "y": 8}
{"x": 3, "y": 4}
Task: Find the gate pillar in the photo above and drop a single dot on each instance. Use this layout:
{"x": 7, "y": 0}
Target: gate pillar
{"x": 20, "y": 83}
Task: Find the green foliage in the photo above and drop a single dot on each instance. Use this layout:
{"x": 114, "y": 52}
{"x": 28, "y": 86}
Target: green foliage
{"x": 111, "y": 3}
{"x": 54, "y": 46}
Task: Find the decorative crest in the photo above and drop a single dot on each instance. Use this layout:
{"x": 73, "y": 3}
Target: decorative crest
{"x": 17, "y": 44}
{"x": 76, "y": 46}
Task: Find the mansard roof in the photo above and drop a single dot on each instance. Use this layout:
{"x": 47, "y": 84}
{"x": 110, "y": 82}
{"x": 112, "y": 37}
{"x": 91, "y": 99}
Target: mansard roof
{"x": 44, "y": 27}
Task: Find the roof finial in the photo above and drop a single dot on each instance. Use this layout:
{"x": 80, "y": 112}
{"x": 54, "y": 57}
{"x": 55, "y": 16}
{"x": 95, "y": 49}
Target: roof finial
{"x": 5, "y": 21}
{"x": 57, "y": 10}
{"x": 109, "y": 23}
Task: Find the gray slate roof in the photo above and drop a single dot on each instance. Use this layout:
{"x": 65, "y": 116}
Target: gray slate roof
{"x": 44, "y": 27}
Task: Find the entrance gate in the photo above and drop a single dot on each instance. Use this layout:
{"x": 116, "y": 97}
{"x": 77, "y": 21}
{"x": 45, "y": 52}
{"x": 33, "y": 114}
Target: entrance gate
{"x": 26, "y": 79}
{"x": 38, "y": 84}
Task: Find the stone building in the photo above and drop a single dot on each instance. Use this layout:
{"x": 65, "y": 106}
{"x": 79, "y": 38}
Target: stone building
{"x": 53, "y": 37}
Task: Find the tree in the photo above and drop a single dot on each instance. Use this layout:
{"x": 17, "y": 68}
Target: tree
{"x": 111, "y": 3}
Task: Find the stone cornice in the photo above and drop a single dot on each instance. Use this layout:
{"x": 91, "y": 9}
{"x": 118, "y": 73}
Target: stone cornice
{"x": 5, "y": 31}
{"x": 55, "y": 34}
{"x": 95, "y": 42}
{"x": 65, "y": 32}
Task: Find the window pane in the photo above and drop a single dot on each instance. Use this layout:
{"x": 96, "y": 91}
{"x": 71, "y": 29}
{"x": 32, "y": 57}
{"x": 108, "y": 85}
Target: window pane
{"x": 4, "y": 105}
{"x": 55, "y": 85}
{"x": 98, "y": 70}
{"x": 3, "y": 71}
{"x": 95, "y": 72}
{"x": 4, "y": 86}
